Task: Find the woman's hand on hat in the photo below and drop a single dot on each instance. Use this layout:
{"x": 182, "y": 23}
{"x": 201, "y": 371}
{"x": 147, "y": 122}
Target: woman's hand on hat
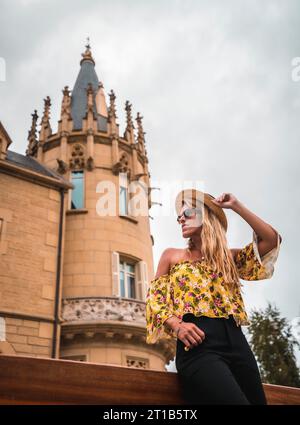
{"x": 226, "y": 200}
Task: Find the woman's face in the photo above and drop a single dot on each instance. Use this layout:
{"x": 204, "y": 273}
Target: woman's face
{"x": 190, "y": 225}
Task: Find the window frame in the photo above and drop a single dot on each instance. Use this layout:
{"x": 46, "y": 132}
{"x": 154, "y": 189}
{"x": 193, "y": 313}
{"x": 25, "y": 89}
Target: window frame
{"x": 121, "y": 212}
{"x": 123, "y": 262}
{"x": 83, "y": 190}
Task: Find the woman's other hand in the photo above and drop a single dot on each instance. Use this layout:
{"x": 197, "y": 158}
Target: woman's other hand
{"x": 190, "y": 334}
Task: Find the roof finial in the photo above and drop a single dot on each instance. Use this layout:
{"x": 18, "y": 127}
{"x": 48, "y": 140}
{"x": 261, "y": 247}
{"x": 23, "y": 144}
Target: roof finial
{"x": 46, "y": 130}
{"x": 87, "y": 55}
{"x": 88, "y": 43}
{"x": 32, "y": 138}
{"x": 129, "y": 133}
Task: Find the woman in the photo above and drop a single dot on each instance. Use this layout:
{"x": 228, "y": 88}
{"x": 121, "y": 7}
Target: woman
{"x": 195, "y": 297}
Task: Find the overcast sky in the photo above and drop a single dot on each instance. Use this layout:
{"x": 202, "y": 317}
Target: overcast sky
{"x": 213, "y": 80}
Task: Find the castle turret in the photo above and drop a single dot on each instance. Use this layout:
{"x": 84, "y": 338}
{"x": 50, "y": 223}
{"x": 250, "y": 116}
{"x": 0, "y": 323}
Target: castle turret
{"x": 107, "y": 247}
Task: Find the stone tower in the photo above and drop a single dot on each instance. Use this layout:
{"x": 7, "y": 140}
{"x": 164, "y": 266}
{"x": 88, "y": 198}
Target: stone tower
{"x": 107, "y": 259}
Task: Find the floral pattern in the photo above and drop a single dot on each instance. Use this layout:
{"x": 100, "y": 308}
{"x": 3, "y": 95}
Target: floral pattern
{"x": 193, "y": 287}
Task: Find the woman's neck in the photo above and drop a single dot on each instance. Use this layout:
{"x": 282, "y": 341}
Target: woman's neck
{"x": 196, "y": 243}
{"x": 195, "y": 251}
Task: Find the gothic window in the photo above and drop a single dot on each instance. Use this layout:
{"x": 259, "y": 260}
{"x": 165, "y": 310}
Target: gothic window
{"x": 77, "y": 198}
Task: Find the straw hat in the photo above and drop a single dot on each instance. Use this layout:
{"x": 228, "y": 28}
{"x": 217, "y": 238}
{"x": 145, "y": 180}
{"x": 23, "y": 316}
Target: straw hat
{"x": 197, "y": 198}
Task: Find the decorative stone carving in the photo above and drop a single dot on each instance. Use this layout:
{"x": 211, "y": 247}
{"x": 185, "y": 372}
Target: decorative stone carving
{"x": 129, "y": 131}
{"x": 46, "y": 130}
{"x": 112, "y": 115}
{"x": 66, "y": 104}
{"x": 88, "y": 309}
{"x": 90, "y": 132}
{"x": 141, "y": 134}
{"x": 122, "y": 166}
{"x": 138, "y": 362}
{"x": 77, "y": 160}
{"x": 90, "y": 164}
{"x": 32, "y": 137}
{"x": 62, "y": 166}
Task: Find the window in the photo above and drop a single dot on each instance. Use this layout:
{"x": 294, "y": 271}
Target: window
{"x": 123, "y": 201}
{"x": 77, "y": 199}
{"x": 127, "y": 280}
{"x": 129, "y": 277}
{"x": 123, "y": 196}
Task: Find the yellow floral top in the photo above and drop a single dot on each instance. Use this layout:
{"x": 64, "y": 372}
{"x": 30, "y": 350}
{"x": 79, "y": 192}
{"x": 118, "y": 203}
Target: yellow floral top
{"x": 193, "y": 287}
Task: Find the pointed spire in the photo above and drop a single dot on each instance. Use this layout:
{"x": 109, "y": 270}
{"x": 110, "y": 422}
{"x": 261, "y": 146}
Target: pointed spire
{"x": 65, "y": 114}
{"x": 129, "y": 134}
{"x": 87, "y": 74}
{"x": 32, "y": 137}
{"x": 141, "y": 133}
{"x": 46, "y": 130}
{"x": 87, "y": 55}
{"x": 112, "y": 107}
{"x": 129, "y": 121}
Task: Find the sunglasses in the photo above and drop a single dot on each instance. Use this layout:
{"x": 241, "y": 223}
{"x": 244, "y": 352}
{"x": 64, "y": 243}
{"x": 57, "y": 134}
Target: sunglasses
{"x": 188, "y": 213}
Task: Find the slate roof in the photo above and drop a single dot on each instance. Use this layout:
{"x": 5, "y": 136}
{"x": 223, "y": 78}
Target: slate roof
{"x": 30, "y": 163}
{"x": 87, "y": 74}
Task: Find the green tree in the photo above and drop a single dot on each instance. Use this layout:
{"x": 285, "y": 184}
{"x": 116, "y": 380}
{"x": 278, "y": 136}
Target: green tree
{"x": 273, "y": 345}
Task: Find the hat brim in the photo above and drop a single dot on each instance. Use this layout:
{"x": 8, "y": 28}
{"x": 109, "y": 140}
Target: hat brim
{"x": 197, "y": 197}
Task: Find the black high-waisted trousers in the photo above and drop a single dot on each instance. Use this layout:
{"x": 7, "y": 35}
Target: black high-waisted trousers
{"x": 220, "y": 370}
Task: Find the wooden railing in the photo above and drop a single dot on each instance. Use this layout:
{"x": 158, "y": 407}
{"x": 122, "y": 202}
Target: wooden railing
{"x": 28, "y": 380}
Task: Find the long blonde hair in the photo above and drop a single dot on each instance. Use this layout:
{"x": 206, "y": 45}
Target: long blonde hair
{"x": 215, "y": 249}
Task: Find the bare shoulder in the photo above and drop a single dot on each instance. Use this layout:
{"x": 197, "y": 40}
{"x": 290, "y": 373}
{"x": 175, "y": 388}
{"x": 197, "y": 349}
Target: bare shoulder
{"x": 165, "y": 262}
{"x": 177, "y": 254}
{"x": 171, "y": 256}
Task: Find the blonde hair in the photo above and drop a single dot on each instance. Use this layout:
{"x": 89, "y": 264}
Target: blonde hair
{"x": 215, "y": 249}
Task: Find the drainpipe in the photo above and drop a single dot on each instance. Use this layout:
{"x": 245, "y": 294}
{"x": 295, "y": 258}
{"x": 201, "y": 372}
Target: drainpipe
{"x": 58, "y": 273}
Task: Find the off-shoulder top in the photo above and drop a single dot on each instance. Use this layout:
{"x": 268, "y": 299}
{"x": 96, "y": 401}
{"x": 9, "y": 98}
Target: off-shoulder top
{"x": 193, "y": 287}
